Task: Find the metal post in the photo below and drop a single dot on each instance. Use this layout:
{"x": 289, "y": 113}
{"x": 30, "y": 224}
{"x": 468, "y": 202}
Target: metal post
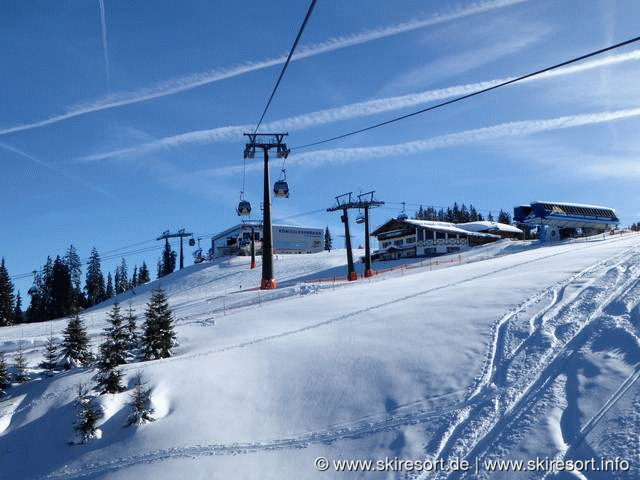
{"x": 268, "y": 282}
{"x": 253, "y": 248}
{"x": 351, "y": 275}
{"x": 367, "y": 249}
{"x": 181, "y": 255}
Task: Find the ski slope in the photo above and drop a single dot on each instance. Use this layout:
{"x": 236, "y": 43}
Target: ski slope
{"x": 509, "y": 351}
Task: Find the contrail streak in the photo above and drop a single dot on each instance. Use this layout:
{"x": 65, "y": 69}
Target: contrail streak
{"x": 182, "y": 84}
{"x": 512, "y": 129}
{"x": 104, "y": 44}
{"x": 346, "y": 112}
{"x": 60, "y": 172}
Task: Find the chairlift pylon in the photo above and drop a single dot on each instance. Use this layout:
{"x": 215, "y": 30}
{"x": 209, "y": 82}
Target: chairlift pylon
{"x": 403, "y": 215}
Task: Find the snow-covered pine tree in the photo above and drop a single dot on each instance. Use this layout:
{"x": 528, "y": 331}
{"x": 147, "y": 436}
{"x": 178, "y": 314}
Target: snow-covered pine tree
{"x": 109, "y": 377}
{"x": 6, "y": 297}
{"x": 75, "y": 345}
{"x": 87, "y": 416}
{"x": 132, "y": 327}
{"x": 5, "y": 381}
{"x": 113, "y": 352}
{"x": 20, "y": 374}
{"x": 50, "y": 355}
{"x": 158, "y": 336}
{"x": 140, "y": 403}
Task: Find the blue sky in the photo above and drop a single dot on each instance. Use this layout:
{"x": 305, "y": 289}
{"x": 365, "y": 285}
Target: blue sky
{"x": 109, "y": 147}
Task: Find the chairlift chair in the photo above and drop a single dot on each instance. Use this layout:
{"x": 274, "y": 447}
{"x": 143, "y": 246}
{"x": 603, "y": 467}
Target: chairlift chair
{"x": 360, "y": 218}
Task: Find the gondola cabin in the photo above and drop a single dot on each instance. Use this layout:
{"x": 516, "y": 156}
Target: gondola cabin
{"x": 281, "y": 189}
{"x": 244, "y": 208}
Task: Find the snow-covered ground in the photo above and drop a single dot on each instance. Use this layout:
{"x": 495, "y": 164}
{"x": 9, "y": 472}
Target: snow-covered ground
{"x": 511, "y": 351}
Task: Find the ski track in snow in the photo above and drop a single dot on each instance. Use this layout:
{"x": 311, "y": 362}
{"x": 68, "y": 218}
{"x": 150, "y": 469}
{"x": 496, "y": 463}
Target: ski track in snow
{"x": 478, "y": 422}
{"x": 498, "y": 407}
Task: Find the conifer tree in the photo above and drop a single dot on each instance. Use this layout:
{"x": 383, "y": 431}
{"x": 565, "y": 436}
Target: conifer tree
{"x": 50, "y": 355}
{"x": 328, "y": 242}
{"x": 6, "y": 297}
{"x": 87, "y": 416}
{"x": 5, "y": 381}
{"x": 61, "y": 290}
{"x": 47, "y": 280}
{"x": 20, "y": 366}
{"x": 121, "y": 281}
{"x": 167, "y": 263}
{"x": 132, "y": 333}
{"x": 117, "y": 336}
{"x": 75, "y": 346}
{"x": 504, "y": 217}
{"x": 109, "y": 292}
{"x": 95, "y": 287}
{"x": 464, "y": 214}
{"x": 18, "y": 314}
{"x": 36, "y": 310}
{"x": 140, "y": 403}
{"x": 74, "y": 264}
{"x": 158, "y": 335}
{"x": 473, "y": 214}
{"x": 134, "y": 278}
{"x": 109, "y": 376}
{"x": 144, "y": 276}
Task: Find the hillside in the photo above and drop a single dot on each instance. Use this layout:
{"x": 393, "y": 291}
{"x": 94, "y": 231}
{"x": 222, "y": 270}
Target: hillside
{"x": 512, "y": 351}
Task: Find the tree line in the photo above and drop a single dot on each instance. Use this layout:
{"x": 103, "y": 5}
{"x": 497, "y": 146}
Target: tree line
{"x": 460, "y": 214}
{"x": 57, "y": 289}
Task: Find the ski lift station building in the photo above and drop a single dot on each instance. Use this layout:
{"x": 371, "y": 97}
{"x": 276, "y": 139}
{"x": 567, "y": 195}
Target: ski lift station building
{"x": 286, "y": 239}
{"x": 404, "y": 237}
{"x": 558, "y": 220}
